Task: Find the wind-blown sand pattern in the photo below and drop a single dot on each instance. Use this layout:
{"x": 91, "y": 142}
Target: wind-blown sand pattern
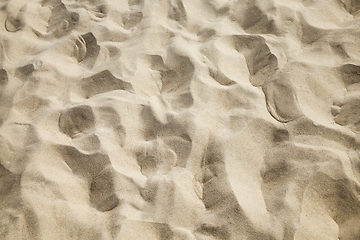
{"x": 180, "y": 119}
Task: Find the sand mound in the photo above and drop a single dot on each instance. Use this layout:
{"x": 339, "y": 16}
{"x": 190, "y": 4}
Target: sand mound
{"x": 179, "y": 119}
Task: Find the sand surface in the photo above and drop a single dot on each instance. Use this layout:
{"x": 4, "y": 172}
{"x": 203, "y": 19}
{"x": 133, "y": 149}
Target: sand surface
{"x": 180, "y": 119}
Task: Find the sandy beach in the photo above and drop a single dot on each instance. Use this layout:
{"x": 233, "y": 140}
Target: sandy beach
{"x": 180, "y": 119}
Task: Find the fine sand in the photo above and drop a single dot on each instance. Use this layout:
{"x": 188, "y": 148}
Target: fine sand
{"x": 180, "y": 119}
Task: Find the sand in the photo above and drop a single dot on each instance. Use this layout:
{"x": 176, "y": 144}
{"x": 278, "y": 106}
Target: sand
{"x": 179, "y": 119}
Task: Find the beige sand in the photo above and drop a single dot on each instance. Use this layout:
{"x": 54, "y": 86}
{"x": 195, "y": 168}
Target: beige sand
{"x": 180, "y": 119}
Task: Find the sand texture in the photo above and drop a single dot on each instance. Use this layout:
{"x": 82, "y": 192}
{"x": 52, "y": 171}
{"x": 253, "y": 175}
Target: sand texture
{"x": 180, "y": 119}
